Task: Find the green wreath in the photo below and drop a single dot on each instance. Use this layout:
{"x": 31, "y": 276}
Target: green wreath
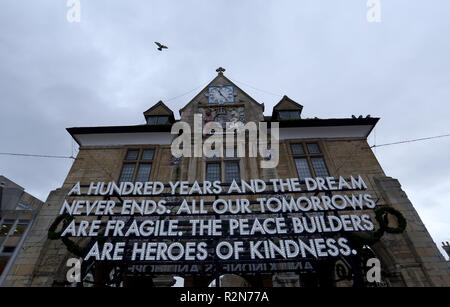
{"x": 72, "y": 247}
{"x": 381, "y": 215}
{"x": 52, "y": 234}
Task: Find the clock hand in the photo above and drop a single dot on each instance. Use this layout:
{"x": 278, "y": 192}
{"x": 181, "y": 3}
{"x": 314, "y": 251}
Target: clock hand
{"x": 221, "y": 94}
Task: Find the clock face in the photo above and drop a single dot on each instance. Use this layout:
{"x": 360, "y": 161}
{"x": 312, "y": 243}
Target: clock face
{"x": 221, "y": 94}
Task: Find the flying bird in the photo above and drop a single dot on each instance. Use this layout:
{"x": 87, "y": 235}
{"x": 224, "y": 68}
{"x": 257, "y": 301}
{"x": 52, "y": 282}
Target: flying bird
{"x": 160, "y": 46}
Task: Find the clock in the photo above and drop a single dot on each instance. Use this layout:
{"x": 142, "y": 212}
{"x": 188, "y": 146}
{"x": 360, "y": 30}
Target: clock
{"x": 221, "y": 94}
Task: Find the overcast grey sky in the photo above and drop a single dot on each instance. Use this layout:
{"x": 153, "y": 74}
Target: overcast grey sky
{"x": 324, "y": 54}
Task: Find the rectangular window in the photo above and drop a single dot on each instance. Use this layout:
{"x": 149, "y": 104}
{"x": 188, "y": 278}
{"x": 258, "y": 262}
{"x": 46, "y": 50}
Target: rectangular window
{"x": 302, "y": 168}
{"x": 6, "y": 227}
{"x": 313, "y": 148}
{"x": 148, "y": 154}
{"x": 289, "y": 114}
{"x": 232, "y": 171}
{"x": 143, "y": 173}
{"x": 163, "y": 120}
{"x": 310, "y": 163}
{"x": 213, "y": 172}
{"x": 127, "y": 172}
{"x": 21, "y": 206}
{"x": 158, "y": 120}
{"x": 132, "y": 155}
{"x": 297, "y": 149}
{"x": 3, "y": 263}
{"x": 319, "y": 167}
{"x": 137, "y": 165}
{"x": 20, "y": 228}
{"x": 8, "y": 249}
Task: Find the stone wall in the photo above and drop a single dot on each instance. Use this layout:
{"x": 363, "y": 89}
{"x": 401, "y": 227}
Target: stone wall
{"x": 412, "y": 256}
{"x": 408, "y": 259}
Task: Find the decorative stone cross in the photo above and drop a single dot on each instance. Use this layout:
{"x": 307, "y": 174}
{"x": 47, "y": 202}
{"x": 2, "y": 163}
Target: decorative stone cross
{"x": 220, "y": 70}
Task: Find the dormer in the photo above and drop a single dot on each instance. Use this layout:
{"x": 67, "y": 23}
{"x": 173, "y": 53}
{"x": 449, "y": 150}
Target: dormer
{"x": 159, "y": 114}
{"x": 286, "y": 109}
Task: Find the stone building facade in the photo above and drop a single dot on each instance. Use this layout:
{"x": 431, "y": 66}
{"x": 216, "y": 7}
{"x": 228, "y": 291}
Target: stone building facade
{"x": 308, "y": 147}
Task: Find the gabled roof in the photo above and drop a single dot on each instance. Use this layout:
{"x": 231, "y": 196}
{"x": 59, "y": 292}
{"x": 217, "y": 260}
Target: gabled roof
{"x": 159, "y": 109}
{"x": 219, "y": 76}
{"x": 287, "y": 104}
{"x": 158, "y": 105}
{"x": 8, "y": 183}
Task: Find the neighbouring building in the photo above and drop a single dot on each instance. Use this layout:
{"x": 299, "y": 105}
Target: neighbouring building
{"x": 446, "y": 247}
{"x": 309, "y": 147}
{"x": 18, "y": 211}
